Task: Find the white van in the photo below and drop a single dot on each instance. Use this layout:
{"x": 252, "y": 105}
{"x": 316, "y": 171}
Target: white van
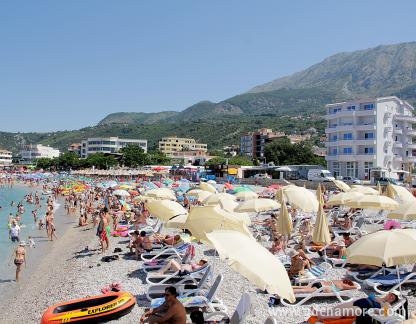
{"x": 319, "y": 175}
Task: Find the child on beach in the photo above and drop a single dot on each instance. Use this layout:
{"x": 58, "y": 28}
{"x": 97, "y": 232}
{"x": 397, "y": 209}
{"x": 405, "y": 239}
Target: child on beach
{"x": 31, "y": 242}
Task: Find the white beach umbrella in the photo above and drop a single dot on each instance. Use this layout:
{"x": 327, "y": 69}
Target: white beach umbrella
{"x": 253, "y": 261}
{"x": 200, "y": 194}
{"x": 214, "y": 199}
{"x": 406, "y": 211}
{"x": 300, "y": 198}
{"x": 165, "y": 209}
{"x": 373, "y": 202}
{"x": 161, "y": 193}
{"x": 207, "y": 187}
{"x": 121, "y": 193}
{"x": 342, "y": 197}
{"x": 257, "y": 205}
{"x": 364, "y": 189}
{"x": 204, "y": 219}
{"x": 246, "y": 195}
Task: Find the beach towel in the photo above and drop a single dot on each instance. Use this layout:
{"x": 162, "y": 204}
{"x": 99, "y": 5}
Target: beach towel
{"x": 193, "y": 301}
{"x": 389, "y": 279}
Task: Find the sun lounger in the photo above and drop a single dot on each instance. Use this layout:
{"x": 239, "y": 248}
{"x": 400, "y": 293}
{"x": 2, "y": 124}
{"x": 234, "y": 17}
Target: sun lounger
{"x": 341, "y": 295}
{"x": 390, "y": 281}
{"x": 316, "y": 272}
{"x": 158, "y": 290}
{"x": 362, "y": 275}
{"x": 192, "y": 299}
{"x": 242, "y": 310}
{"x": 175, "y": 277}
{"x": 165, "y": 252}
{"x": 397, "y": 312}
{"x": 157, "y": 264}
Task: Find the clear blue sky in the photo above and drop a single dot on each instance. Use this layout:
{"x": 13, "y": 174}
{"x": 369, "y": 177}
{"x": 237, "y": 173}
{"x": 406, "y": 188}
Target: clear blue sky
{"x": 67, "y": 64}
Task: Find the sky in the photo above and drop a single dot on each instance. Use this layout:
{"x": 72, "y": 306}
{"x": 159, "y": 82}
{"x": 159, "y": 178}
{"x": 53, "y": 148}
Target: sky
{"x": 66, "y": 65}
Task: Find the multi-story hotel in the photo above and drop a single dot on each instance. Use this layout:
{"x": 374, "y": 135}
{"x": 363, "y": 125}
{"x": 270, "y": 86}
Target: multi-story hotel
{"x": 30, "y": 153}
{"x": 109, "y": 145}
{"x": 370, "y": 133}
{"x": 5, "y": 157}
{"x": 171, "y": 145}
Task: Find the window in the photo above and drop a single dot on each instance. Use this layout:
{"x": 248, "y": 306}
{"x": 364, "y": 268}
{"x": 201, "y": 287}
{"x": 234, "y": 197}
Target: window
{"x": 348, "y": 136}
{"x": 351, "y": 169}
{"x": 334, "y": 151}
{"x": 369, "y": 106}
{"x": 347, "y": 150}
{"x": 368, "y": 135}
{"x": 369, "y": 150}
{"x": 349, "y": 108}
{"x": 367, "y": 167}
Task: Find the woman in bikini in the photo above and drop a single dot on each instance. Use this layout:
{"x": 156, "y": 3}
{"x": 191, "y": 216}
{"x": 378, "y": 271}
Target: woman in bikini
{"x": 19, "y": 258}
{"x": 328, "y": 286}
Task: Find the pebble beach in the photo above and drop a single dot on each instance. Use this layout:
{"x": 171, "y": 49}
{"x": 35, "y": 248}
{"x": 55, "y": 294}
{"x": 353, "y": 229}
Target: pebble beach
{"x": 72, "y": 268}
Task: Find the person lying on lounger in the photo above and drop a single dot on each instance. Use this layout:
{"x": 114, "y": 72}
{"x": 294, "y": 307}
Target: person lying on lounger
{"x": 174, "y": 266}
{"x": 328, "y": 286}
{"x": 356, "y": 308}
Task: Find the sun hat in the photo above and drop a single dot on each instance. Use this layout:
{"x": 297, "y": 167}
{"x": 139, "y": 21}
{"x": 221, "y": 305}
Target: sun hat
{"x": 292, "y": 253}
{"x": 22, "y": 243}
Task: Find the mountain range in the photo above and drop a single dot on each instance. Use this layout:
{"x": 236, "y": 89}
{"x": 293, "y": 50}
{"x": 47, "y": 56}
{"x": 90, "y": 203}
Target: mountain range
{"x": 292, "y": 103}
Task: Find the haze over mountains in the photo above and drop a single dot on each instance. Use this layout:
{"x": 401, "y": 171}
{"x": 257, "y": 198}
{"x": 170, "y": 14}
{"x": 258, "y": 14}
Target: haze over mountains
{"x": 381, "y": 71}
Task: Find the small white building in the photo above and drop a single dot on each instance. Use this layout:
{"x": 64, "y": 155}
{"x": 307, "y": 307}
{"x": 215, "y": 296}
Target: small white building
{"x": 370, "y": 133}
{"x": 30, "y": 153}
{"x": 5, "y": 157}
{"x": 109, "y": 145}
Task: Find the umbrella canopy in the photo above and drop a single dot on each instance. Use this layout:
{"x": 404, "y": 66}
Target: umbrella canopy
{"x": 343, "y": 197}
{"x": 373, "y": 202}
{"x": 341, "y": 185}
{"x": 384, "y": 248}
{"x": 201, "y": 195}
{"x": 143, "y": 198}
{"x": 228, "y": 205}
{"x": 244, "y": 255}
{"x": 284, "y": 222}
{"x": 202, "y": 220}
{"x": 165, "y": 209}
{"x": 257, "y": 205}
{"x": 321, "y": 230}
{"x": 301, "y": 198}
{"x": 365, "y": 190}
{"x": 161, "y": 193}
{"x": 121, "y": 193}
{"x": 406, "y": 211}
{"x": 246, "y": 195}
{"x": 401, "y": 193}
{"x": 215, "y": 198}
{"x": 207, "y": 187}
{"x": 177, "y": 221}
{"x": 319, "y": 195}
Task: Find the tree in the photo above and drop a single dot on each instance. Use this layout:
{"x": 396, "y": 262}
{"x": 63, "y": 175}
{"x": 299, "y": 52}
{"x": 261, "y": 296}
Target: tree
{"x": 240, "y": 160}
{"x": 68, "y": 160}
{"x": 214, "y": 162}
{"x": 134, "y": 156}
{"x": 44, "y": 163}
{"x": 282, "y": 152}
{"x": 157, "y": 157}
{"x": 101, "y": 161}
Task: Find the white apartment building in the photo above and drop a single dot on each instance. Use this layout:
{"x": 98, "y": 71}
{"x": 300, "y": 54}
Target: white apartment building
{"x": 171, "y": 145}
{"x": 370, "y": 133}
{"x": 5, "y": 157}
{"x": 30, "y": 153}
{"x": 109, "y": 145}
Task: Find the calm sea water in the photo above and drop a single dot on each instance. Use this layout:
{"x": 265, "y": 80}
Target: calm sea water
{"x": 16, "y": 194}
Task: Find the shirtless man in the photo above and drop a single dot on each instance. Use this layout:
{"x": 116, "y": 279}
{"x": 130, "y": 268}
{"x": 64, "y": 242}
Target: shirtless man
{"x": 171, "y": 311}
{"x": 19, "y": 258}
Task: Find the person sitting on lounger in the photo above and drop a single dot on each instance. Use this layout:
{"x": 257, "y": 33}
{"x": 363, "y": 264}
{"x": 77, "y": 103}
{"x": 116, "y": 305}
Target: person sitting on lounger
{"x": 356, "y": 308}
{"x": 297, "y": 264}
{"x": 328, "y": 286}
{"x": 337, "y": 250}
{"x": 302, "y": 252}
{"x": 277, "y": 245}
{"x": 174, "y": 266}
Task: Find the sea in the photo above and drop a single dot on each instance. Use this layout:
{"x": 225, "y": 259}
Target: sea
{"x": 17, "y": 194}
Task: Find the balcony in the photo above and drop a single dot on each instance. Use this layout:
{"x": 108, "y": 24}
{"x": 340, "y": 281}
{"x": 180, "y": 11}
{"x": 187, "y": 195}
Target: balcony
{"x": 397, "y": 145}
{"x": 397, "y": 158}
{"x": 411, "y": 145}
{"x": 365, "y": 112}
{"x": 360, "y": 127}
{"x": 388, "y": 114}
{"x": 330, "y": 130}
{"x": 410, "y": 159}
{"x": 409, "y": 119}
{"x": 397, "y": 130}
{"x": 411, "y": 132}
{"x": 365, "y": 141}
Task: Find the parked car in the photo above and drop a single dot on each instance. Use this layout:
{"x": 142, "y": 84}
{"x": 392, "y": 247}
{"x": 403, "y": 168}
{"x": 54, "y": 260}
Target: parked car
{"x": 386, "y": 181}
{"x": 262, "y": 176}
{"x": 352, "y": 180}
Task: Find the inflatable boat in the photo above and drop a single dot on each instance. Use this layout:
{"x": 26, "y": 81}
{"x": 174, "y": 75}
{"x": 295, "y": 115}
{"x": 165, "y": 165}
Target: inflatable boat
{"x": 95, "y": 309}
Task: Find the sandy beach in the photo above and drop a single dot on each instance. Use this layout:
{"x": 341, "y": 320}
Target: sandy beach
{"x": 68, "y": 271}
